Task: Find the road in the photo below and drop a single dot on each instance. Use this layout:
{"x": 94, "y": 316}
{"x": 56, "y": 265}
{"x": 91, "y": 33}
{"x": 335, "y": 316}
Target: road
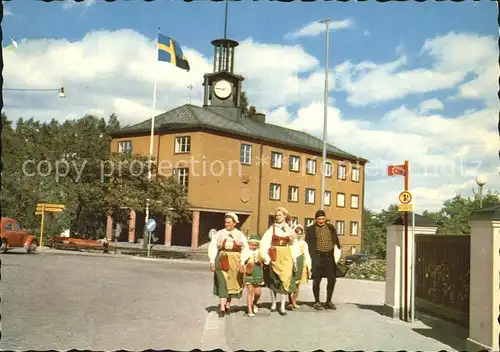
{"x": 61, "y": 301}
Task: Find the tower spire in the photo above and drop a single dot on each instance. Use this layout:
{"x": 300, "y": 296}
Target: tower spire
{"x": 225, "y": 21}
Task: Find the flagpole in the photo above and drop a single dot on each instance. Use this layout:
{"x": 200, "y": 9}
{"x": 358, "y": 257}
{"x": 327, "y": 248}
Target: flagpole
{"x": 151, "y": 138}
{"x": 325, "y": 117}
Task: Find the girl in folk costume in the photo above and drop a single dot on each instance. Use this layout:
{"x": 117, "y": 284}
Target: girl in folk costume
{"x": 224, "y": 252}
{"x": 252, "y": 259}
{"x": 303, "y": 270}
{"x": 278, "y": 241}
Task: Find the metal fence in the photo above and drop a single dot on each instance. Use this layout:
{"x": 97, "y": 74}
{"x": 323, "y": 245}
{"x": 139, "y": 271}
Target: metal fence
{"x": 442, "y": 271}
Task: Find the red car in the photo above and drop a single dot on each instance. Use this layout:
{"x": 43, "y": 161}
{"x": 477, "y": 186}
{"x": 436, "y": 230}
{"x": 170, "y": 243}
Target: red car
{"x": 12, "y": 235}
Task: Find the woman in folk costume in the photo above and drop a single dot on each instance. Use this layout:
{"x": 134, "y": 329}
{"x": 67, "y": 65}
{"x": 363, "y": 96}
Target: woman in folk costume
{"x": 303, "y": 270}
{"x": 252, "y": 260}
{"x": 278, "y": 241}
{"x": 224, "y": 252}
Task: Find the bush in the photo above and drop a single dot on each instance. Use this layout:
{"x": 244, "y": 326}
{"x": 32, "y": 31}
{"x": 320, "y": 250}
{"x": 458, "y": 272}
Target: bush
{"x": 371, "y": 270}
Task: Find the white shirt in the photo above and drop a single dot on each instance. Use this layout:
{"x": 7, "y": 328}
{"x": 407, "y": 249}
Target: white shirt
{"x": 281, "y": 230}
{"x": 218, "y": 239}
{"x": 252, "y": 255}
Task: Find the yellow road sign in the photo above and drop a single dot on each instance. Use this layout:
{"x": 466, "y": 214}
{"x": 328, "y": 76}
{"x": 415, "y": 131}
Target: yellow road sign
{"x": 38, "y": 212}
{"x": 405, "y": 207}
{"x": 53, "y": 210}
{"x": 50, "y": 205}
{"x": 405, "y": 197}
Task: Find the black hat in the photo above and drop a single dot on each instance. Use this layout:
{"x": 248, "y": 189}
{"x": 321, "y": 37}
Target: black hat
{"x": 319, "y": 213}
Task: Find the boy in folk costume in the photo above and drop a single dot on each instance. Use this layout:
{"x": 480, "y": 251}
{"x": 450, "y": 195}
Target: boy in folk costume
{"x": 303, "y": 270}
{"x": 278, "y": 241}
{"x": 252, "y": 259}
{"x": 224, "y": 252}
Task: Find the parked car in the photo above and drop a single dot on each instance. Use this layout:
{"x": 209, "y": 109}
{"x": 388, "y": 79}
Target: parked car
{"x": 358, "y": 258}
{"x": 13, "y": 235}
{"x": 78, "y": 242}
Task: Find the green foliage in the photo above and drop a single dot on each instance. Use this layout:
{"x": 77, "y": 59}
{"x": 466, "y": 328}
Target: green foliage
{"x": 71, "y": 163}
{"x": 247, "y": 109}
{"x": 371, "y": 270}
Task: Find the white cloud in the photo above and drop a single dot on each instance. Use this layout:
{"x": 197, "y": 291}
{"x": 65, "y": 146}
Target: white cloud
{"x": 108, "y": 72}
{"x": 455, "y": 56}
{"x": 71, "y": 4}
{"x": 315, "y": 28}
{"x": 431, "y": 104}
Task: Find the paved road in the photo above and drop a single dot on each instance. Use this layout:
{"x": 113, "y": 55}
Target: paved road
{"x": 62, "y": 301}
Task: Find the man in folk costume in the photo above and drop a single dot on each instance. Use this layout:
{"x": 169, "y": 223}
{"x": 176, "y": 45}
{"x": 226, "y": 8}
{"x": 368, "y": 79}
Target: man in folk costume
{"x": 224, "y": 253}
{"x": 322, "y": 239}
{"x": 252, "y": 260}
{"x": 278, "y": 241}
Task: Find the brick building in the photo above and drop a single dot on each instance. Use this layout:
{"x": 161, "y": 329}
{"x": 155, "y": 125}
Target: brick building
{"x": 231, "y": 162}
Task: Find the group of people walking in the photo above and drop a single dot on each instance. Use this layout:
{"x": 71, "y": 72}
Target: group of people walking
{"x": 282, "y": 260}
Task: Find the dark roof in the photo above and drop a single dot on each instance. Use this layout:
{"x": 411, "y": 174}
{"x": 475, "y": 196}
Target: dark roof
{"x": 489, "y": 213}
{"x": 420, "y": 221}
{"x": 191, "y": 116}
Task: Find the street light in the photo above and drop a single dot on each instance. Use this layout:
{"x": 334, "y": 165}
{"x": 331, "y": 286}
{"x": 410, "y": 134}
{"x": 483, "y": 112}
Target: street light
{"x": 61, "y": 93}
{"x": 481, "y": 180}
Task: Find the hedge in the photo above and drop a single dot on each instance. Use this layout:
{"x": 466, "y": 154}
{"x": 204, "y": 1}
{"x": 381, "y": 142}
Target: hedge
{"x": 373, "y": 270}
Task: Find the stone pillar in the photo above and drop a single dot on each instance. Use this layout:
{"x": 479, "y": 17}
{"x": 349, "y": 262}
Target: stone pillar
{"x": 168, "y": 233}
{"x": 394, "y": 281}
{"x": 195, "y": 229}
{"x": 484, "y": 303}
{"x": 131, "y": 227}
{"x": 109, "y": 228}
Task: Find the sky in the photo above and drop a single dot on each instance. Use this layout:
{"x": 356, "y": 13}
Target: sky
{"x": 407, "y": 80}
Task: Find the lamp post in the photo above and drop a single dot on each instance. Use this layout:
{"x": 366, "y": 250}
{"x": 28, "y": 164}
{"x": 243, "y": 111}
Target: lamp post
{"x": 481, "y": 180}
{"x": 60, "y": 90}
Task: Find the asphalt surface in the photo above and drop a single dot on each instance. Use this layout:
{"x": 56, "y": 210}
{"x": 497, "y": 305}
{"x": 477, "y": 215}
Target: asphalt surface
{"x": 61, "y": 301}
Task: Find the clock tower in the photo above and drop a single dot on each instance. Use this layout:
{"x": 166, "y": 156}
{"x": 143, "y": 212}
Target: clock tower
{"x": 222, "y": 87}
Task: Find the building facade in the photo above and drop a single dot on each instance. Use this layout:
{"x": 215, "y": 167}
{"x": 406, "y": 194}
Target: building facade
{"x": 232, "y": 162}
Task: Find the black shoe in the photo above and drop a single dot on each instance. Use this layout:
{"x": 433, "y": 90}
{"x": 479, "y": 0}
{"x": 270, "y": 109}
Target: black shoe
{"x": 317, "y": 306}
{"x": 289, "y": 306}
{"x": 282, "y": 313}
{"x": 221, "y": 313}
{"x": 330, "y": 306}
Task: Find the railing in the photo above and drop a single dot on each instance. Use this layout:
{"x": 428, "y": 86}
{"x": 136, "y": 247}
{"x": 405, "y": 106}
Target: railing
{"x": 442, "y": 269}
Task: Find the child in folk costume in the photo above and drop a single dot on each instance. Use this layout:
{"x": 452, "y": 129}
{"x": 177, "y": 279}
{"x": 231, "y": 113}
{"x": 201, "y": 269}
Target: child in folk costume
{"x": 303, "y": 270}
{"x": 224, "y": 252}
{"x": 278, "y": 241}
{"x": 252, "y": 260}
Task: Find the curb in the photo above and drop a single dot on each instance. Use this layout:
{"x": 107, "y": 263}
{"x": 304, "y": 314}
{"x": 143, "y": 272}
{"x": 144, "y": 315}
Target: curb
{"x": 169, "y": 260}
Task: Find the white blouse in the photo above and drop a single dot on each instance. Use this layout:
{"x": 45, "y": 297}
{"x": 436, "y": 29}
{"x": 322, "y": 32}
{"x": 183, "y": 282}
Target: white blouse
{"x": 281, "y": 230}
{"x": 230, "y": 237}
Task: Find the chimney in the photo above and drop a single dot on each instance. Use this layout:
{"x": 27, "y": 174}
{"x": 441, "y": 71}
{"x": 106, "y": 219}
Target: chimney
{"x": 258, "y": 117}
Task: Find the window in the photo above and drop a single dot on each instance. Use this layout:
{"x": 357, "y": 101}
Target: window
{"x": 328, "y": 198}
{"x": 17, "y": 227}
{"x": 328, "y": 169}
{"x": 355, "y": 174}
{"x": 294, "y": 162}
{"x": 276, "y": 160}
{"x": 341, "y": 170}
{"x": 125, "y": 147}
{"x": 182, "y": 176}
{"x": 270, "y": 220}
{"x": 354, "y": 201}
{"x": 182, "y": 144}
{"x": 341, "y": 200}
{"x": 308, "y": 222}
{"x": 8, "y": 227}
{"x": 340, "y": 227}
{"x": 246, "y": 154}
{"x": 293, "y": 194}
{"x": 295, "y": 221}
{"x": 354, "y": 228}
{"x": 311, "y": 167}
{"x": 310, "y": 195}
{"x": 275, "y": 191}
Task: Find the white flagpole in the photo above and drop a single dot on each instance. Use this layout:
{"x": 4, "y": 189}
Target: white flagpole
{"x": 325, "y": 113}
{"x": 151, "y": 138}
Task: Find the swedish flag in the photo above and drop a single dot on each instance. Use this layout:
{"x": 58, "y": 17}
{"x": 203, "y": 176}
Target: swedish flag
{"x": 170, "y": 51}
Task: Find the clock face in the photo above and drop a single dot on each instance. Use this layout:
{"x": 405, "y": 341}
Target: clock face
{"x": 222, "y": 89}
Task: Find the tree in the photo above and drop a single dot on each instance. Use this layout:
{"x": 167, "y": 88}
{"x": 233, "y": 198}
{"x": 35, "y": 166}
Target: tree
{"x": 246, "y": 109}
{"x": 374, "y": 234}
{"x": 113, "y": 123}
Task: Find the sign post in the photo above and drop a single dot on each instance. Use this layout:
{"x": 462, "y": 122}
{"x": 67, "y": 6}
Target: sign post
{"x": 405, "y": 206}
{"x": 150, "y": 226}
{"x": 41, "y": 209}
